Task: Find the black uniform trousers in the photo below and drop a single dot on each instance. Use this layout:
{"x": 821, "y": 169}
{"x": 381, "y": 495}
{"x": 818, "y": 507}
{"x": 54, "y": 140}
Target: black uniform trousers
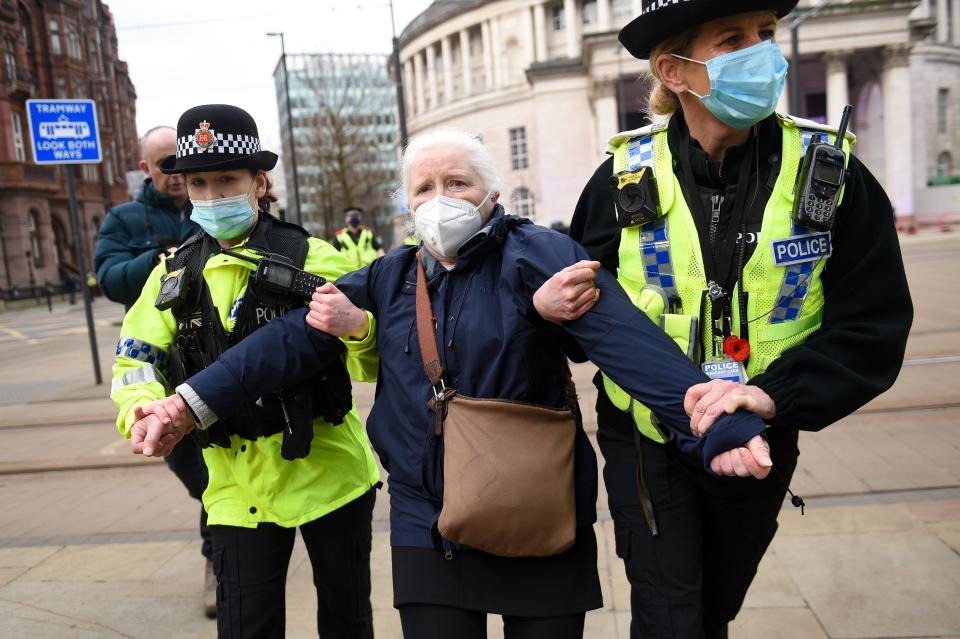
{"x": 186, "y": 462}
{"x": 251, "y": 567}
{"x": 428, "y": 621}
{"x": 689, "y": 581}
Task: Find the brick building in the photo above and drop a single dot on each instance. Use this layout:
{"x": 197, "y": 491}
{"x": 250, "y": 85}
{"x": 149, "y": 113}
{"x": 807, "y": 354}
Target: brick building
{"x": 58, "y": 49}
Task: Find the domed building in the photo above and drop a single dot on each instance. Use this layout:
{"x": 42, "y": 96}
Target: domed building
{"x": 545, "y": 83}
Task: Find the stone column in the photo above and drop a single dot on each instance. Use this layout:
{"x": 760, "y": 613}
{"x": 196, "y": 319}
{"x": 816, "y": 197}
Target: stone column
{"x": 447, "y": 59}
{"x": 432, "y": 77}
{"x": 837, "y": 92}
{"x": 955, "y": 10}
{"x": 783, "y": 102}
{"x": 897, "y": 129}
{"x": 604, "y": 118}
{"x": 527, "y": 36}
{"x": 409, "y": 84}
{"x": 604, "y": 16}
{"x": 571, "y": 23}
{"x": 487, "y": 54}
{"x": 465, "y": 59}
{"x": 496, "y": 53}
{"x": 418, "y": 81}
{"x": 540, "y": 31}
{"x": 943, "y": 21}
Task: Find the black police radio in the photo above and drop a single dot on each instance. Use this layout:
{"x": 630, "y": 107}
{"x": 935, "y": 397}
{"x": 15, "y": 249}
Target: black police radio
{"x": 820, "y": 179}
{"x": 278, "y": 274}
{"x": 636, "y": 196}
{"x": 274, "y": 272}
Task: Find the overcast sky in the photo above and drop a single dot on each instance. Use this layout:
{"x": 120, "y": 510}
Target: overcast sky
{"x": 188, "y": 52}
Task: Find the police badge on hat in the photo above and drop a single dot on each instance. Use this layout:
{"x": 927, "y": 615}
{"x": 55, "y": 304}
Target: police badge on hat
{"x": 204, "y": 137}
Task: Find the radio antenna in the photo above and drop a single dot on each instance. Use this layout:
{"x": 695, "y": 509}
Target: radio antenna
{"x": 842, "y": 130}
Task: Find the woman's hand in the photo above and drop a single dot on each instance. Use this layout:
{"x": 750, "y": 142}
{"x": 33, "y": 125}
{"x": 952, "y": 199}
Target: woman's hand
{"x": 704, "y": 403}
{"x": 332, "y": 312}
{"x": 160, "y": 426}
{"x": 750, "y": 460}
{"x": 569, "y": 293}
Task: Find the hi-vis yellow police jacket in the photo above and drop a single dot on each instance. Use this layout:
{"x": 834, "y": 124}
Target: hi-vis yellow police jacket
{"x": 360, "y": 252}
{"x": 250, "y": 482}
{"x": 662, "y": 260}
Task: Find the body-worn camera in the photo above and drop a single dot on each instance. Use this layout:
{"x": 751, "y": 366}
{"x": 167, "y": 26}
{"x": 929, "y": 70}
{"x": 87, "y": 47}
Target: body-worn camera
{"x": 636, "y": 196}
{"x": 819, "y": 181}
{"x": 173, "y": 289}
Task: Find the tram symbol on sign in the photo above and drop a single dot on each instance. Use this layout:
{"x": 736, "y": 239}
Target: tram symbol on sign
{"x": 64, "y": 128}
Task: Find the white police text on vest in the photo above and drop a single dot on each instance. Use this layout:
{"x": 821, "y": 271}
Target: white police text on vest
{"x": 801, "y": 248}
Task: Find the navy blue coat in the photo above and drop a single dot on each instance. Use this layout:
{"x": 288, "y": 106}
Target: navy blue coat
{"x": 131, "y": 236}
{"x": 493, "y": 345}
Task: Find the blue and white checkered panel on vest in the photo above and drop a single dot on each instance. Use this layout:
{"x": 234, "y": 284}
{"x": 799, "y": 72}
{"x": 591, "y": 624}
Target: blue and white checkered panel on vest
{"x": 654, "y": 236}
{"x": 793, "y": 289}
{"x": 655, "y": 253}
{"x": 140, "y": 350}
{"x": 796, "y": 277}
{"x": 640, "y": 153}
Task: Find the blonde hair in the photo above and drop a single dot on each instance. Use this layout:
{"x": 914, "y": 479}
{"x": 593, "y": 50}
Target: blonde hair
{"x": 662, "y": 100}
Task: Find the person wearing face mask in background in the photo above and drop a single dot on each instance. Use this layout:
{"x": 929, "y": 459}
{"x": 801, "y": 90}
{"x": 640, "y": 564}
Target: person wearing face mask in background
{"x": 296, "y": 457}
{"x": 804, "y": 326}
{"x": 479, "y": 270}
{"x": 357, "y": 241}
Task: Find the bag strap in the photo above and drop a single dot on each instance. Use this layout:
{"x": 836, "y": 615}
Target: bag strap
{"x": 427, "y": 330}
{"x": 427, "y": 336}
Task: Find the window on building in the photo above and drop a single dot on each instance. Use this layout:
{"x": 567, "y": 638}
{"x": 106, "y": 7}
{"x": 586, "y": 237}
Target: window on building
{"x": 622, "y": 8}
{"x": 556, "y": 17}
{"x": 26, "y": 38}
{"x": 588, "y": 11}
{"x": 18, "y": 148}
{"x": 10, "y": 59}
{"x": 61, "y": 87}
{"x": 523, "y": 202}
{"x": 33, "y": 230}
{"x": 518, "y": 148}
{"x": 94, "y": 58}
{"x": 107, "y": 165}
{"x": 74, "y": 50}
{"x": 944, "y": 165}
{"x": 55, "y": 37}
{"x": 943, "y": 109}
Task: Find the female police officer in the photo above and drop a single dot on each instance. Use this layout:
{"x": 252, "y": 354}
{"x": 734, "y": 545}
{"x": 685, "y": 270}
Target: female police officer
{"x": 813, "y": 317}
{"x": 281, "y": 463}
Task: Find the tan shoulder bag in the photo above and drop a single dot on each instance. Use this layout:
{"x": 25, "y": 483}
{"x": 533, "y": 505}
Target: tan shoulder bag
{"x": 508, "y": 465}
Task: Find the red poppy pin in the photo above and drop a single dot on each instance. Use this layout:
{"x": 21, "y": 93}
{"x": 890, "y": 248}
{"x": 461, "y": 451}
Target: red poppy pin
{"x": 738, "y": 349}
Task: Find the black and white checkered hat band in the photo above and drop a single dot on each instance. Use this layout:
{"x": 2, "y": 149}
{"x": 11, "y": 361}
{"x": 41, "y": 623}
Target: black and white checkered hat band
{"x": 225, "y": 143}
{"x": 649, "y": 6}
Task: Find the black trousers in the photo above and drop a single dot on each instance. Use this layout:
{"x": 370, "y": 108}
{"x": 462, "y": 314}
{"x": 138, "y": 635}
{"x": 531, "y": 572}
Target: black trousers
{"x": 251, "y": 566}
{"x": 427, "y": 621}
{"x": 690, "y": 580}
{"x": 186, "y": 462}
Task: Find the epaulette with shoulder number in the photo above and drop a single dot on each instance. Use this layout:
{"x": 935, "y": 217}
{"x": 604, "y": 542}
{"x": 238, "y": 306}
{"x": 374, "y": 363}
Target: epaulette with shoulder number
{"x": 614, "y": 143}
{"x": 802, "y": 123}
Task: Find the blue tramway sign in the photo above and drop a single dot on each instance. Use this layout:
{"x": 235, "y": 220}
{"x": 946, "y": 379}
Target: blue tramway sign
{"x": 64, "y": 131}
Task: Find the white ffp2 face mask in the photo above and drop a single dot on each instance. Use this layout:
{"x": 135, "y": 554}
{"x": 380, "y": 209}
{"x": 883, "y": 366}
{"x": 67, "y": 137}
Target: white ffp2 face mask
{"x": 446, "y": 223}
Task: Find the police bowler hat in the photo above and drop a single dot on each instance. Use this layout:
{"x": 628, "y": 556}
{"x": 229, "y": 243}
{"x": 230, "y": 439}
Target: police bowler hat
{"x": 217, "y": 137}
{"x": 660, "y": 20}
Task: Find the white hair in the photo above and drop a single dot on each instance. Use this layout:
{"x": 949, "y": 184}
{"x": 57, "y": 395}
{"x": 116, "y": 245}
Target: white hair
{"x": 478, "y": 155}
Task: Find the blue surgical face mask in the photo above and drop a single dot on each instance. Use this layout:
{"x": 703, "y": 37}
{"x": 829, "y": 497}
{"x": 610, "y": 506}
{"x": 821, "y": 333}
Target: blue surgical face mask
{"x": 744, "y": 85}
{"x": 224, "y": 218}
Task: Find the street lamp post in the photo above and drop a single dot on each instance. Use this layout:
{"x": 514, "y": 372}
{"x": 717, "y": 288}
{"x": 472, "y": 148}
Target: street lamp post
{"x": 398, "y": 81}
{"x": 293, "y": 150}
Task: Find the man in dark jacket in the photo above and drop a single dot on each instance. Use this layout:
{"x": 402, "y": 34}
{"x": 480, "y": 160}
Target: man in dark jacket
{"x": 134, "y": 235}
{"x": 131, "y": 241}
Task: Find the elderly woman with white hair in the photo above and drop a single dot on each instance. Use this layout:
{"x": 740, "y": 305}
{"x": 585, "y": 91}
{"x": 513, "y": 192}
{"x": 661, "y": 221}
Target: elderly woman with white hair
{"x": 476, "y": 334}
